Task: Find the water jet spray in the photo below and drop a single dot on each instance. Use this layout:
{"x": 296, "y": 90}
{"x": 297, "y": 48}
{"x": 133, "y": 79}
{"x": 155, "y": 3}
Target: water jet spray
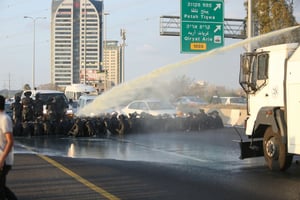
{"x": 115, "y": 98}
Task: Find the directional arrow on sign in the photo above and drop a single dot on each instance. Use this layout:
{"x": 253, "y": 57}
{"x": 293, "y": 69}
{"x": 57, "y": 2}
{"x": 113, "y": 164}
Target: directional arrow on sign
{"x": 218, "y": 6}
{"x": 218, "y": 28}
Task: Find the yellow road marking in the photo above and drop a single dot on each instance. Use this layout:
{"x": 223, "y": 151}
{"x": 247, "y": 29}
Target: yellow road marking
{"x": 79, "y": 178}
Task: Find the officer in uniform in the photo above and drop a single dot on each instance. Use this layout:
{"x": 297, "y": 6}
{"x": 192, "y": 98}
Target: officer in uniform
{"x": 60, "y": 108}
{"x": 124, "y": 125}
{"x": 16, "y": 108}
{"x": 38, "y": 115}
{"x": 77, "y": 128}
{"x": 51, "y": 116}
{"x": 51, "y": 111}
{"x": 38, "y": 106}
{"x": 27, "y": 112}
{"x": 114, "y": 123}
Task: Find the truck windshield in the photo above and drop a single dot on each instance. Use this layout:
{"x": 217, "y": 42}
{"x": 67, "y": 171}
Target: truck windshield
{"x": 253, "y": 71}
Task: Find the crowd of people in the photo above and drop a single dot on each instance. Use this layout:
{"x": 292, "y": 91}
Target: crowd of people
{"x": 30, "y": 120}
{"x": 30, "y": 117}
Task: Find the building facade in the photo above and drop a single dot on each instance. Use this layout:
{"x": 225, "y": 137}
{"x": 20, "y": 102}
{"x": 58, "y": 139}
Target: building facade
{"x": 112, "y": 73}
{"x": 76, "y": 42}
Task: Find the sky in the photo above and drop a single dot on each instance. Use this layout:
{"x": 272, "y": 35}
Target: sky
{"x": 145, "y": 49}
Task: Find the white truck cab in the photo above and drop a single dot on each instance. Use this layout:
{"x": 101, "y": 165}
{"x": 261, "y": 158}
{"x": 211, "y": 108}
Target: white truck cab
{"x": 270, "y": 76}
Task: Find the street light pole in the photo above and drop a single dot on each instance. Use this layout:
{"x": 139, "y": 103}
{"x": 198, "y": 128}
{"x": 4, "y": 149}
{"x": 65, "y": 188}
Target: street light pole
{"x": 105, "y": 14}
{"x": 249, "y": 25}
{"x": 33, "y": 47}
{"x": 123, "y": 36}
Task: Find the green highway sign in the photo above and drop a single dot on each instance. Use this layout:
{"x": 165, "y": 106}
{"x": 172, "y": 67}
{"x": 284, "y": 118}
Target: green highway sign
{"x": 202, "y": 25}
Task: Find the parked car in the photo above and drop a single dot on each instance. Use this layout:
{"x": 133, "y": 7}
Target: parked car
{"x": 229, "y": 100}
{"x": 152, "y": 107}
{"x": 192, "y": 101}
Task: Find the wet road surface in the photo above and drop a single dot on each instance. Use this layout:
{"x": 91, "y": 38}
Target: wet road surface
{"x": 186, "y": 165}
{"x": 214, "y": 148}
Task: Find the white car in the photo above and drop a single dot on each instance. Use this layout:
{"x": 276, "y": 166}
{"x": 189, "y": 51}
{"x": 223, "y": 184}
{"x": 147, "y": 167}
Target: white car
{"x": 152, "y": 107}
{"x": 241, "y": 101}
{"x": 83, "y": 101}
{"x": 192, "y": 101}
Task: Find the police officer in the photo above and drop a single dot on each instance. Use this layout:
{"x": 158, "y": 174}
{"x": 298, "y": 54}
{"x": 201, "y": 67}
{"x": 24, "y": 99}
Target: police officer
{"x": 124, "y": 125}
{"x": 16, "y": 108}
{"x": 27, "y": 114}
{"x": 51, "y": 111}
{"x": 60, "y": 107}
{"x": 27, "y": 111}
{"x": 114, "y": 123}
{"x": 38, "y": 106}
{"x": 77, "y": 128}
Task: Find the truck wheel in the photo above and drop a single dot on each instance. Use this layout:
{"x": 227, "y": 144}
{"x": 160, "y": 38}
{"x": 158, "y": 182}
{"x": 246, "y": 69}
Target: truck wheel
{"x": 275, "y": 151}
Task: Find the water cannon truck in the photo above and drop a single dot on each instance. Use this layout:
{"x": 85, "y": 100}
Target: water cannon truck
{"x": 270, "y": 76}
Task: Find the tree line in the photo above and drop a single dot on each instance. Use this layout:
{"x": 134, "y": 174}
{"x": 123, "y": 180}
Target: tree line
{"x": 272, "y": 15}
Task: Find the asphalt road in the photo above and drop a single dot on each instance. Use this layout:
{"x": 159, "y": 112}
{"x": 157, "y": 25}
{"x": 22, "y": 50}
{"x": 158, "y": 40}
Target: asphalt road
{"x": 146, "y": 166}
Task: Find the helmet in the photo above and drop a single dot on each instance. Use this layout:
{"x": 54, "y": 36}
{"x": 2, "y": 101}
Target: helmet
{"x": 17, "y": 98}
{"x": 114, "y": 114}
{"x": 27, "y": 93}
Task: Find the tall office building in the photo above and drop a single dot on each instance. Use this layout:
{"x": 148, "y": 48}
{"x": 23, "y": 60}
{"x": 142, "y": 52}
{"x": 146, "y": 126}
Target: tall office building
{"x": 112, "y": 75}
{"x": 76, "y": 41}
